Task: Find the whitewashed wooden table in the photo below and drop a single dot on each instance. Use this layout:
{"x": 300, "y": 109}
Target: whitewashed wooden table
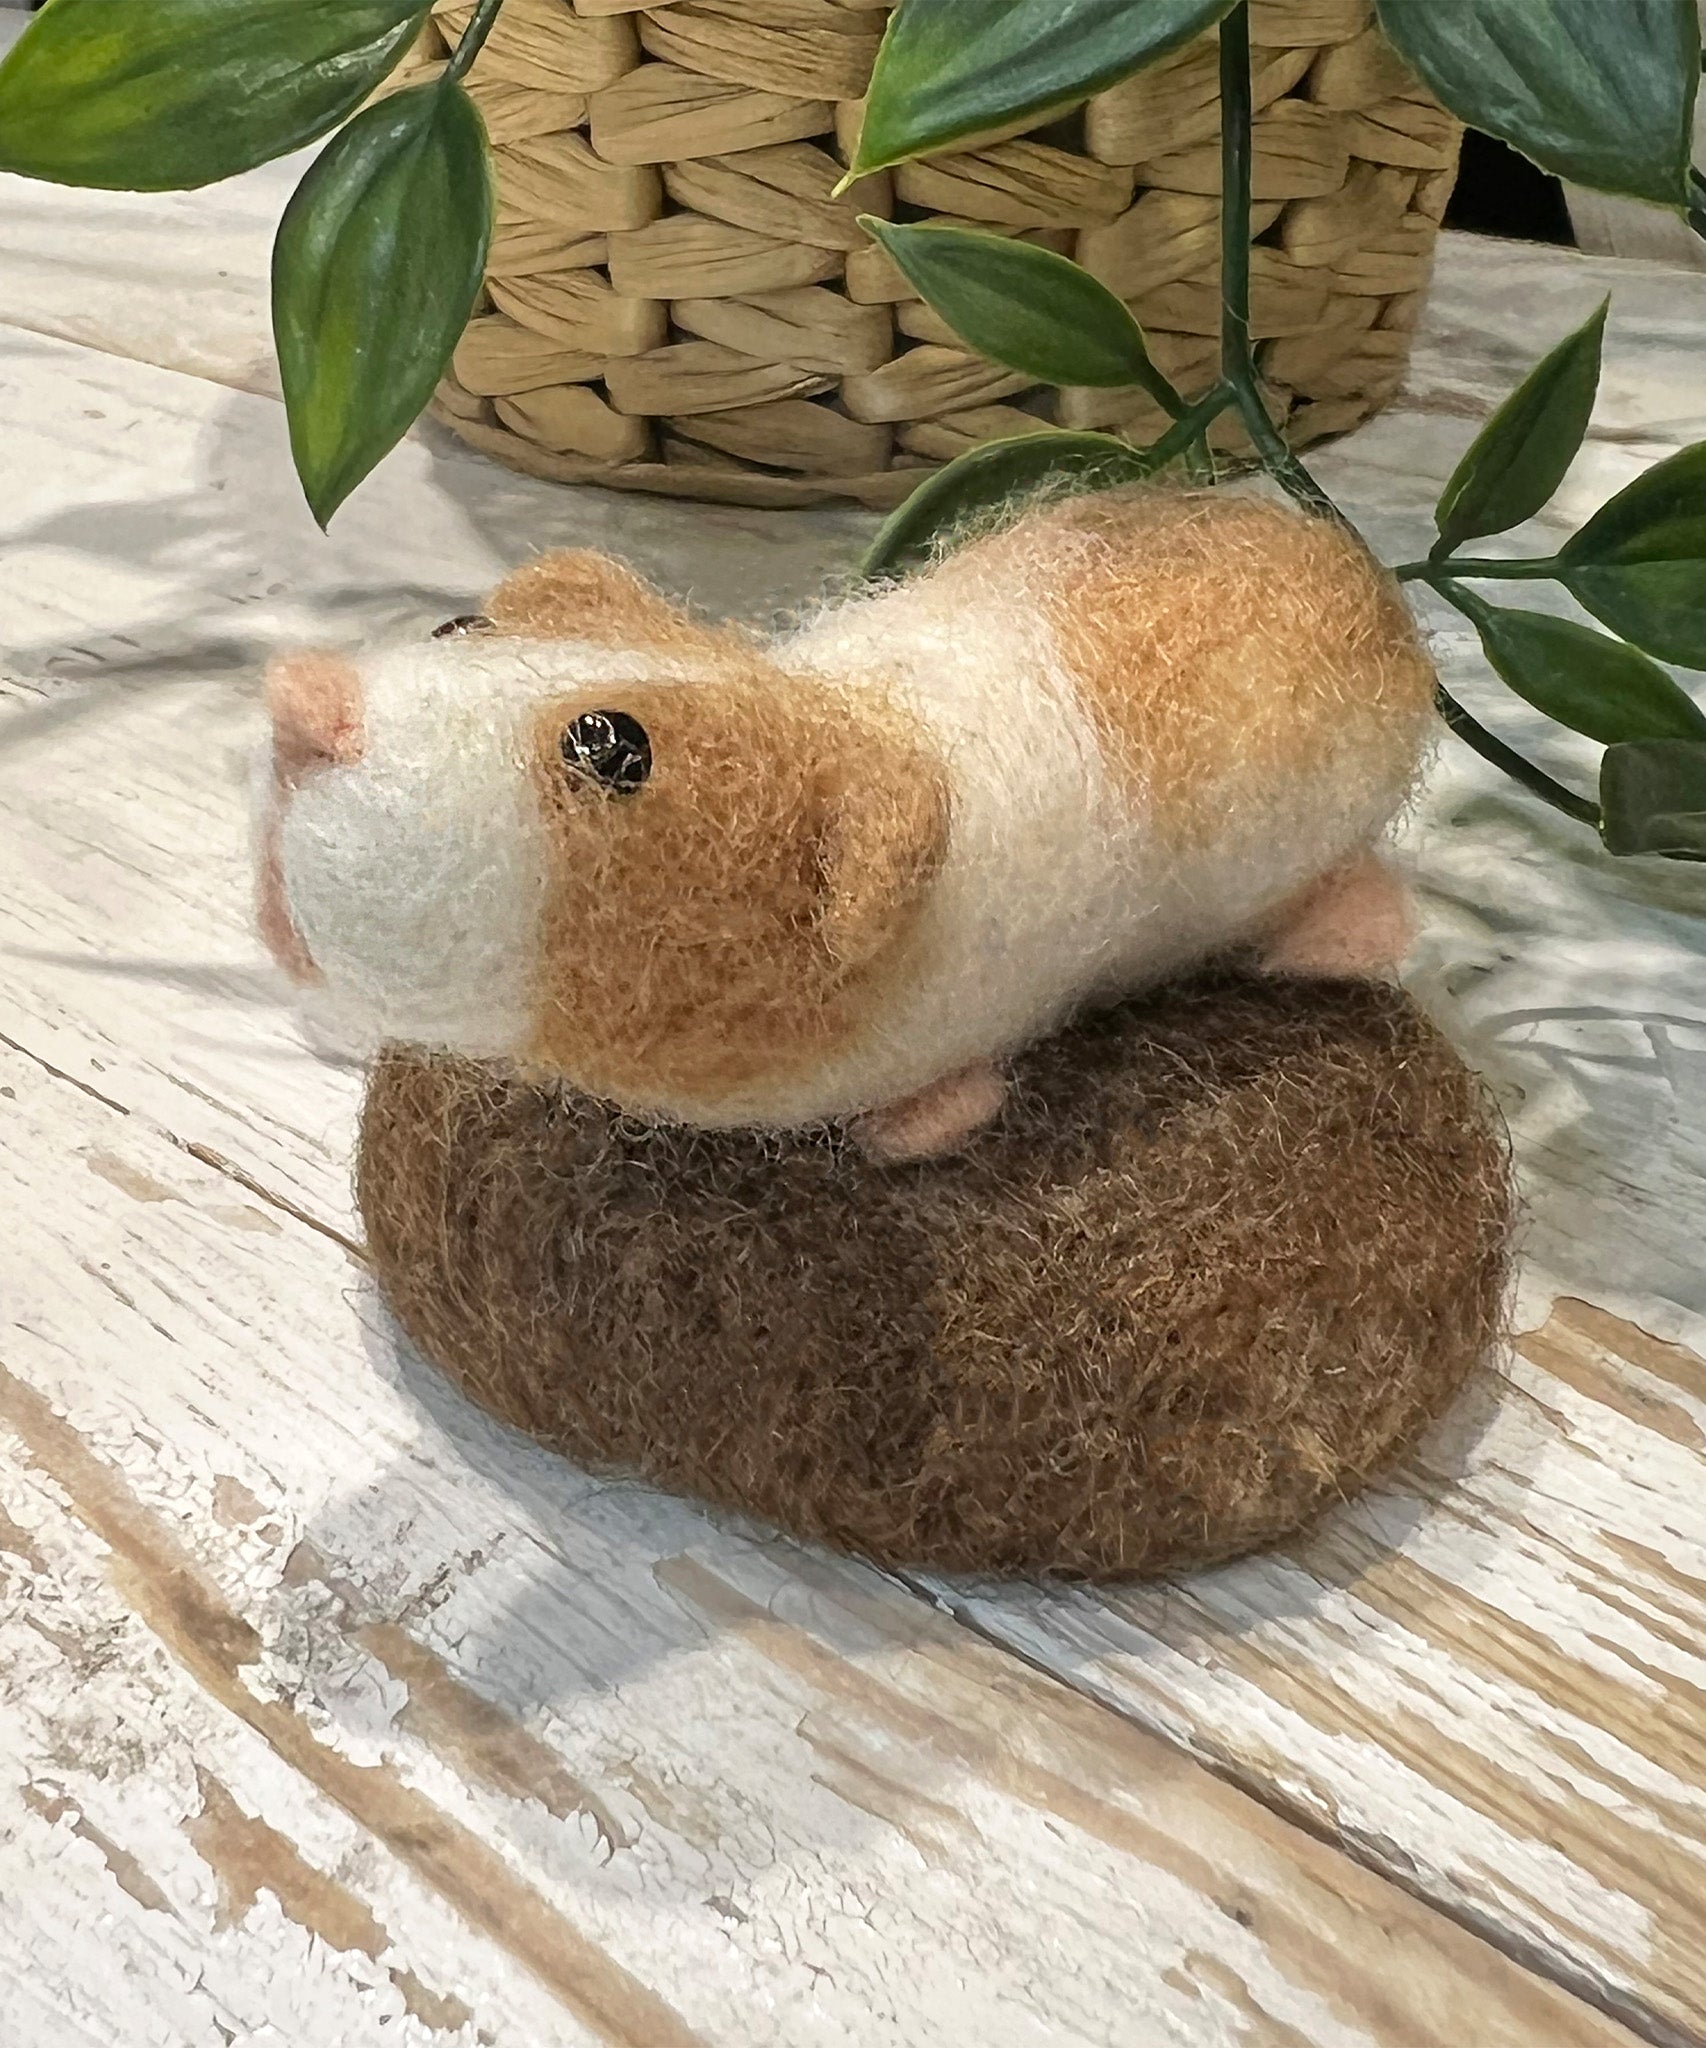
{"x": 332, "y": 1715}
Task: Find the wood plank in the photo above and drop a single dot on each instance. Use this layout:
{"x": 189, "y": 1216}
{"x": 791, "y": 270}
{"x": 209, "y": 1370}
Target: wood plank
{"x": 1490, "y": 1677}
{"x": 178, "y": 279}
{"x": 377, "y": 1665}
{"x": 168, "y": 1876}
{"x": 1486, "y": 1678}
{"x": 1573, "y": 982}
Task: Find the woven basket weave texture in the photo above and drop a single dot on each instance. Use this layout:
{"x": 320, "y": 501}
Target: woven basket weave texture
{"x": 676, "y": 302}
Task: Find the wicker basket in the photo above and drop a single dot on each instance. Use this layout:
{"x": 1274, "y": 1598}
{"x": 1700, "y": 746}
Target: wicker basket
{"x": 676, "y": 303}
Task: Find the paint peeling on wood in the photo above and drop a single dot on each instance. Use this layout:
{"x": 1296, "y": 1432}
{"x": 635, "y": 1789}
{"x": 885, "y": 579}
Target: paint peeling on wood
{"x": 1489, "y": 1679}
{"x": 653, "y": 1650}
{"x": 855, "y": 1825}
{"x": 171, "y": 1596}
{"x": 247, "y": 1856}
{"x": 479, "y": 1739}
{"x": 128, "y": 1874}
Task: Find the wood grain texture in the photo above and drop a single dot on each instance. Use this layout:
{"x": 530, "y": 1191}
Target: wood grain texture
{"x": 645, "y": 1766}
{"x": 1487, "y": 1677}
{"x": 774, "y": 1793}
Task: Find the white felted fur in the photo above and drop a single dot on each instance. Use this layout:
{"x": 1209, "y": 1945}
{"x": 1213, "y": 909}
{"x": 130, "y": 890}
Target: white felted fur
{"x": 1054, "y": 889}
{"x": 417, "y": 876}
{"x": 1021, "y": 920}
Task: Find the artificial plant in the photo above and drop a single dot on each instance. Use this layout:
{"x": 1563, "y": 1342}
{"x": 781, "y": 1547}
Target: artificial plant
{"x": 379, "y": 257}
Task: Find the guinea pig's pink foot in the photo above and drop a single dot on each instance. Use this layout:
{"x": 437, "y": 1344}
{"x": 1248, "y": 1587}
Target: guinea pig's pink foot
{"x": 1357, "y": 920}
{"x": 937, "y": 1120}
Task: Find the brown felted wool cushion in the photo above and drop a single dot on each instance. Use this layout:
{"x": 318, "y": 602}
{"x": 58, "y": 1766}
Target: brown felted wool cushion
{"x": 1225, "y": 1251}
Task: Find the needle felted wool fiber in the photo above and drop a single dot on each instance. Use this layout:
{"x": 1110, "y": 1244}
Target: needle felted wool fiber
{"x": 848, "y": 872}
{"x": 1221, "y": 1253}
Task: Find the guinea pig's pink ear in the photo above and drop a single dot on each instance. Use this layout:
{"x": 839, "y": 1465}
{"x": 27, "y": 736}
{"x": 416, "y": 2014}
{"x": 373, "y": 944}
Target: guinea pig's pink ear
{"x": 883, "y": 836}
{"x": 574, "y": 594}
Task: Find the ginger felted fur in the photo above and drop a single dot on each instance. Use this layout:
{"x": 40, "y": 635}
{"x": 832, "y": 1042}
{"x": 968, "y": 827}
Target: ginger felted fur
{"x": 1221, "y": 1253}
{"x": 849, "y": 872}
{"x": 723, "y": 1137}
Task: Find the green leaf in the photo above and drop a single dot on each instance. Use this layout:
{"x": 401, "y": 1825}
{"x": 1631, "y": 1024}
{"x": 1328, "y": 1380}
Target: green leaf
{"x": 1592, "y": 684}
{"x": 1652, "y": 798}
{"x": 1640, "y": 562}
{"x": 1024, "y": 306}
{"x": 972, "y": 489}
{"x": 1601, "y": 91}
{"x": 948, "y": 69}
{"x": 157, "y": 95}
{"x": 1519, "y": 458}
{"x": 377, "y": 264}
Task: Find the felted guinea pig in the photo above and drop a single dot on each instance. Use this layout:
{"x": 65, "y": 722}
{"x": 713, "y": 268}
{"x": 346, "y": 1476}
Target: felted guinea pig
{"x": 844, "y": 873}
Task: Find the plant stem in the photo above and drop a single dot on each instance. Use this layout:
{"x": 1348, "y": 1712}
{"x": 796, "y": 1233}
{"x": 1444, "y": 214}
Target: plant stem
{"x": 1237, "y": 150}
{"x": 473, "y": 39}
{"x": 1240, "y": 380}
{"x": 1453, "y": 568}
{"x": 1237, "y": 353}
{"x": 1199, "y": 463}
{"x": 1473, "y": 733}
{"x": 1186, "y": 432}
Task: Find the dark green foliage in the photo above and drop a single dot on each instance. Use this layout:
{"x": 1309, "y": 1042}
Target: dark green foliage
{"x": 376, "y": 268}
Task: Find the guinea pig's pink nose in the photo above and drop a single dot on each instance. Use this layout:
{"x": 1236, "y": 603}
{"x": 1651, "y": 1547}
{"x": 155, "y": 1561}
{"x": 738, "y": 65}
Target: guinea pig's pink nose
{"x": 315, "y": 702}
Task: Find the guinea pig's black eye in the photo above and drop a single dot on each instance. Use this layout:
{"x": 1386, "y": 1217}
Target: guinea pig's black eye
{"x": 460, "y": 628}
{"x": 609, "y": 748}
